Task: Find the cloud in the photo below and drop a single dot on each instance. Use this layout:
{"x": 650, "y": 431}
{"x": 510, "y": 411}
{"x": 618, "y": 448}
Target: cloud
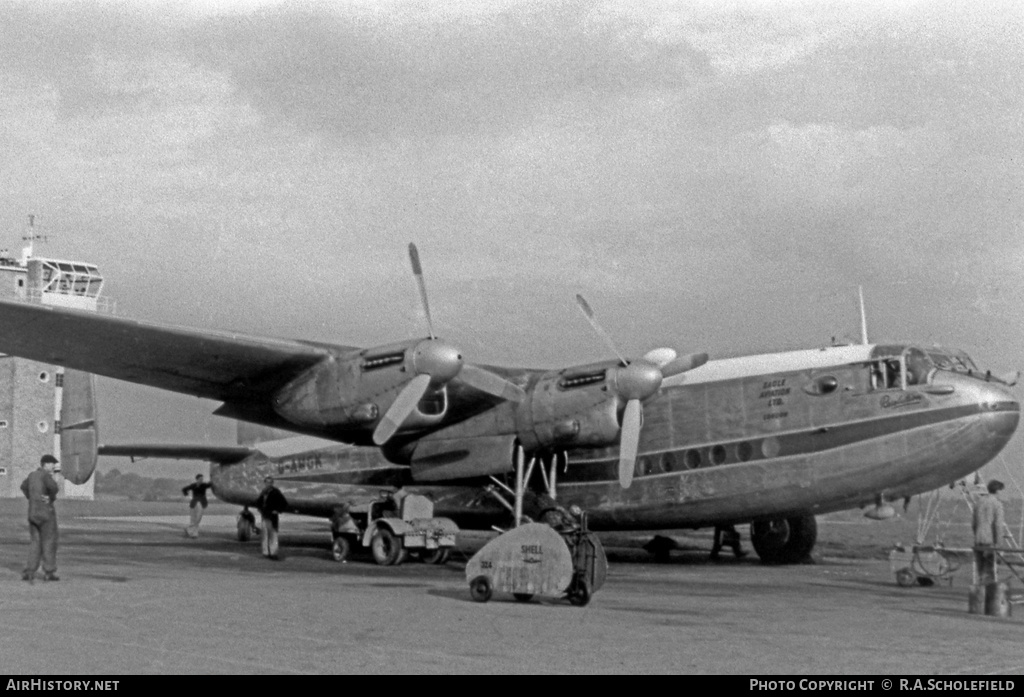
{"x": 368, "y": 74}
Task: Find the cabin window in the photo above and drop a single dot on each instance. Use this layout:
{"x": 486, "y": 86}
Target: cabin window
{"x": 718, "y": 454}
{"x": 3, "y": 424}
{"x": 43, "y": 427}
{"x": 44, "y": 376}
{"x": 668, "y": 462}
{"x": 744, "y": 451}
{"x": 646, "y": 465}
{"x": 825, "y": 384}
{"x": 692, "y": 459}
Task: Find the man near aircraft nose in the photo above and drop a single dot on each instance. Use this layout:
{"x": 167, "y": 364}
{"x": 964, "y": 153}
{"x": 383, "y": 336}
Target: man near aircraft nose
{"x": 989, "y": 521}
{"x": 270, "y": 503}
{"x": 197, "y": 506}
{"x": 40, "y": 488}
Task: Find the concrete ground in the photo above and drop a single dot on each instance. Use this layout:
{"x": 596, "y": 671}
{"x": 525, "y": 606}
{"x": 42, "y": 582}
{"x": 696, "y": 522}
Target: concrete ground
{"x": 137, "y": 597}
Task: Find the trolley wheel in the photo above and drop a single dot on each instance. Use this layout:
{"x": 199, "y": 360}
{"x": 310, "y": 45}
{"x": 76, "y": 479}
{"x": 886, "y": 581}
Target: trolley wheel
{"x": 341, "y": 548}
{"x": 579, "y": 593}
{"x": 436, "y": 556}
{"x": 480, "y": 589}
{"x": 387, "y": 549}
{"x": 523, "y": 597}
{"x": 905, "y": 577}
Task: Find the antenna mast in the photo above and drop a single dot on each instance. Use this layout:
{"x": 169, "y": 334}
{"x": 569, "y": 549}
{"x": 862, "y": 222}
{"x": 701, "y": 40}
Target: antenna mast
{"x": 863, "y": 317}
{"x": 30, "y": 236}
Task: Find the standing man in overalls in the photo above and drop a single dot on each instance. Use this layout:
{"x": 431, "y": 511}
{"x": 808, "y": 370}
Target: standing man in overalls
{"x": 40, "y": 488}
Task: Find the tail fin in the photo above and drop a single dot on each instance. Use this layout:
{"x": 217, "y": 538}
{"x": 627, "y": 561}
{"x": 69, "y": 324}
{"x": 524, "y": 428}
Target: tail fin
{"x": 78, "y": 430}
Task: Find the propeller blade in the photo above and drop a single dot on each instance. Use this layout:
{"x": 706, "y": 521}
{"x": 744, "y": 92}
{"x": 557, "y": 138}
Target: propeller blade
{"x": 684, "y": 363}
{"x": 400, "y": 409}
{"x": 491, "y": 383}
{"x": 629, "y": 442}
{"x": 589, "y": 314}
{"x": 660, "y": 356}
{"x": 417, "y": 271}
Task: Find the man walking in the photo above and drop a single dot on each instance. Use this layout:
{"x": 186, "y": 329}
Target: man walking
{"x": 270, "y": 502}
{"x": 40, "y": 488}
{"x": 197, "y": 506}
{"x": 989, "y": 521}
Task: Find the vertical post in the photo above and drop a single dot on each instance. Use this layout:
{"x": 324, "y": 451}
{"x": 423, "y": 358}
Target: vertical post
{"x": 863, "y": 317}
{"x": 520, "y": 457}
{"x": 553, "y": 477}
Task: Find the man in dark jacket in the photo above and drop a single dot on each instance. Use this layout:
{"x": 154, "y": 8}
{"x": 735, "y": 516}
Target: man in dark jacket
{"x": 270, "y": 503}
{"x": 197, "y": 506}
{"x": 40, "y": 488}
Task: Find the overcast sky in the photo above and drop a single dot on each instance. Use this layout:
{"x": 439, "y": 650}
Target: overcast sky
{"x": 715, "y": 176}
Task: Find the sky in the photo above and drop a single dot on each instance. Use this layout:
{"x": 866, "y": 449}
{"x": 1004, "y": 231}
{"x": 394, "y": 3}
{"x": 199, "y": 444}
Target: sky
{"x": 711, "y": 176}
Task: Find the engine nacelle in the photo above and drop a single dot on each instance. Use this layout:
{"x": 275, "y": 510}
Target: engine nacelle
{"x": 353, "y": 391}
{"x": 570, "y": 408}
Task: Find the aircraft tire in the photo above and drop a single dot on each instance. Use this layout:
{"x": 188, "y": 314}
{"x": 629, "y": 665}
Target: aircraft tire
{"x": 480, "y": 589}
{"x": 387, "y": 549}
{"x": 244, "y": 530}
{"x": 784, "y": 540}
{"x": 341, "y": 548}
{"x": 523, "y": 597}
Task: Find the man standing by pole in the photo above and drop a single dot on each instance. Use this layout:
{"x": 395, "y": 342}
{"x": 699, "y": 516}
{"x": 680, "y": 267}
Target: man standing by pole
{"x": 270, "y": 502}
{"x": 40, "y": 488}
{"x": 989, "y": 521}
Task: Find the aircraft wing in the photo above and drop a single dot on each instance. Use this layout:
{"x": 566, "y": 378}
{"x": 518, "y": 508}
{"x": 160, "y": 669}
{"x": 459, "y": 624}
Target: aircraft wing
{"x": 217, "y": 365}
{"x": 221, "y": 454}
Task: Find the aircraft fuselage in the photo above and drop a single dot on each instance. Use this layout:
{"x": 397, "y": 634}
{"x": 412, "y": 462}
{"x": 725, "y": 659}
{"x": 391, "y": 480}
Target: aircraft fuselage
{"x": 736, "y": 440}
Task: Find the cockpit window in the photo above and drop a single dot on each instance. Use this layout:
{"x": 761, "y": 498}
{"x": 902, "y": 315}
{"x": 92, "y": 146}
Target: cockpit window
{"x": 958, "y": 361}
{"x": 889, "y": 363}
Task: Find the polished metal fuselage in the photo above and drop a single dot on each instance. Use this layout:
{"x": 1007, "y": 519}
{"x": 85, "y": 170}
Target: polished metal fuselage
{"x": 718, "y": 447}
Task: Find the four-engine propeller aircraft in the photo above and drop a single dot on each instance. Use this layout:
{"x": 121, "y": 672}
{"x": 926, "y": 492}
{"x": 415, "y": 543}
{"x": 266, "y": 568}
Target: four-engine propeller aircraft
{"x": 661, "y": 442}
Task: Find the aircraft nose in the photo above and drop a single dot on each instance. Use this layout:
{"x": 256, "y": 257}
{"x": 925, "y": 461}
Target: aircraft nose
{"x": 1000, "y": 408}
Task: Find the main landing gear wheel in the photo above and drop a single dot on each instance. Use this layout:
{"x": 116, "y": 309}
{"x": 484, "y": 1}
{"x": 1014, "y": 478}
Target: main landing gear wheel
{"x": 435, "y": 556}
{"x": 244, "y": 530}
{"x": 784, "y": 540}
{"x": 387, "y": 548}
{"x": 480, "y": 589}
{"x": 341, "y": 548}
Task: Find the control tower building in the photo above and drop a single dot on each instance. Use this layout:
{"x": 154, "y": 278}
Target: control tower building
{"x": 45, "y": 408}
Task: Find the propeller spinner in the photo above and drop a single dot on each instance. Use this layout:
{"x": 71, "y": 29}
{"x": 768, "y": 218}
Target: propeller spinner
{"x": 635, "y": 381}
{"x": 436, "y": 363}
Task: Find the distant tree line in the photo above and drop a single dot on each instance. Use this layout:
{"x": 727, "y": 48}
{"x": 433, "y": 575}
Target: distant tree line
{"x": 135, "y": 487}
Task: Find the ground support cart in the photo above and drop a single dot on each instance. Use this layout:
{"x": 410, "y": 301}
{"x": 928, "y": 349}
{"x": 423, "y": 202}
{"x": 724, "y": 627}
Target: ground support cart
{"x": 392, "y": 527}
{"x": 535, "y": 559}
{"x": 926, "y": 565}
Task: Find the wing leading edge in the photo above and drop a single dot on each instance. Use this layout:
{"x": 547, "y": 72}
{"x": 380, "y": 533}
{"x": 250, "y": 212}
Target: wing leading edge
{"x": 224, "y": 366}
